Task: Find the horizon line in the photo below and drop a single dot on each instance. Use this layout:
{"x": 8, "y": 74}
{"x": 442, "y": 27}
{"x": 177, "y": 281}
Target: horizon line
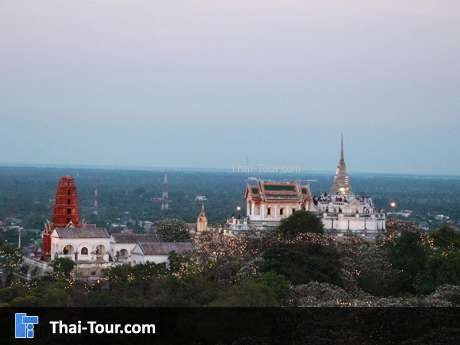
{"x": 206, "y": 169}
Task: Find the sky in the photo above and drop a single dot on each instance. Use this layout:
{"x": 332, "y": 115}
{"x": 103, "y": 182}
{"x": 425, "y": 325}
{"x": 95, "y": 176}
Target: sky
{"x": 209, "y": 84}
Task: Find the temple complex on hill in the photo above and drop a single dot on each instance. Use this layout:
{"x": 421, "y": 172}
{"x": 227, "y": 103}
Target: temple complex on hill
{"x": 267, "y": 203}
{"x": 92, "y": 248}
{"x": 341, "y": 211}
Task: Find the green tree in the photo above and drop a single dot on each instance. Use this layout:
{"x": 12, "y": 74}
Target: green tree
{"x": 300, "y": 222}
{"x": 189, "y": 291}
{"x": 303, "y": 263}
{"x": 186, "y": 265}
{"x": 441, "y": 269}
{"x": 9, "y": 293}
{"x": 445, "y": 238}
{"x": 408, "y": 254}
{"x": 10, "y": 259}
{"x": 248, "y": 293}
{"x": 63, "y": 266}
{"x": 126, "y": 275}
{"x": 276, "y": 282}
{"x": 173, "y": 230}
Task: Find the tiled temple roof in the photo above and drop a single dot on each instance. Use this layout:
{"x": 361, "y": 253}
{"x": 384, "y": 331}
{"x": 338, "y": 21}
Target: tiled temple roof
{"x": 83, "y": 232}
{"x": 277, "y": 191}
{"x": 134, "y": 238}
{"x": 164, "y": 248}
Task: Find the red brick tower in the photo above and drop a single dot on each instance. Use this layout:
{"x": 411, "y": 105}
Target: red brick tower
{"x": 65, "y": 211}
{"x": 66, "y": 204}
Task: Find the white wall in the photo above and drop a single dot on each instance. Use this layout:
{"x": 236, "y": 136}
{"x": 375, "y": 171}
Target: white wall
{"x": 137, "y": 259}
{"x": 117, "y": 247}
{"x": 275, "y": 211}
{"x": 58, "y": 244}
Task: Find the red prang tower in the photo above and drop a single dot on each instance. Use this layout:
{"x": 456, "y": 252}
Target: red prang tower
{"x": 65, "y": 212}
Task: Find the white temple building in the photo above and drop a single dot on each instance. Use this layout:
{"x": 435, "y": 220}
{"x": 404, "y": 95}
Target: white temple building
{"x": 93, "y": 249}
{"x": 343, "y": 214}
{"x": 90, "y": 244}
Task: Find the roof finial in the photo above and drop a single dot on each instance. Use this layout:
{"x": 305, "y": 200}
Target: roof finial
{"x": 341, "y": 147}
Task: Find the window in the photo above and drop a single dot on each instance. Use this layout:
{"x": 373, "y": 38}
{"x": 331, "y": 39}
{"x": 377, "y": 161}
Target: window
{"x": 100, "y": 250}
{"x": 269, "y": 211}
{"x": 69, "y": 211}
{"x": 68, "y": 201}
{"x": 68, "y": 250}
{"x": 84, "y": 251}
{"x": 293, "y": 210}
{"x": 281, "y": 211}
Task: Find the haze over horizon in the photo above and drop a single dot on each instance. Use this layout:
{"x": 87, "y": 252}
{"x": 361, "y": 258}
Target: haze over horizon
{"x": 205, "y": 84}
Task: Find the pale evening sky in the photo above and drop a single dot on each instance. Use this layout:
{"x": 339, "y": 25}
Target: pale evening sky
{"x": 205, "y": 83}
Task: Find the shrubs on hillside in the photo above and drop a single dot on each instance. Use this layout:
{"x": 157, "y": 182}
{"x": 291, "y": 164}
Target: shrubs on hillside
{"x": 303, "y": 262}
{"x": 296, "y": 266}
{"x": 426, "y": 261}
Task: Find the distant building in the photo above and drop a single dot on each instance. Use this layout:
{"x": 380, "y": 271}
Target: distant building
{"x": 441, "y": 217}
{"x": 96, "y": 203}
{"x": 165, "y": 194}
{"x": 403, "y": 213}
{"x": 147, "y": 225}
{"x": 118, "y": 227}
{"x": 201, "y": 198}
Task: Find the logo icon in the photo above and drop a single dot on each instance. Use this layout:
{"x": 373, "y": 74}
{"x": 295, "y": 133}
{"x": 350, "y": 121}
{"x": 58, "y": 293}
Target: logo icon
{"x": 24, "y": 325}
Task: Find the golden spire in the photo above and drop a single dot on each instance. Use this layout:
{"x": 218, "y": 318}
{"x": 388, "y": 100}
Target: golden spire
{"x": 203, "y": 212}
{"x": 202, "y": 221}
{"x": 341, "y": 148}
{"x": 341, "y": 184}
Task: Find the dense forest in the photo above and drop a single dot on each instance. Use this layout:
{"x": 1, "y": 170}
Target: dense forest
{"x": 27, "y": 193}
